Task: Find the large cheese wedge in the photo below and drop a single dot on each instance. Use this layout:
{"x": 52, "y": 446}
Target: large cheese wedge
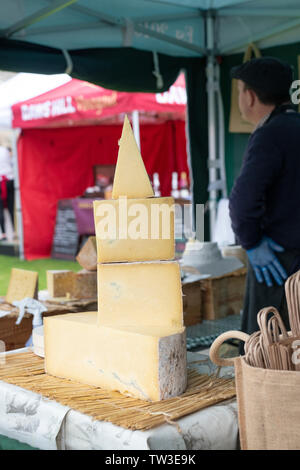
{"x": 144, "y": 294}
{"x": 135, "y": 229}
{"x": 131, "y": 178}
{"x": 147, "y": 363}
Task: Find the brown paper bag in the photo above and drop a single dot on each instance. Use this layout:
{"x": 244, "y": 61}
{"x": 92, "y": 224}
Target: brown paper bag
{"x": 236, "y": 122}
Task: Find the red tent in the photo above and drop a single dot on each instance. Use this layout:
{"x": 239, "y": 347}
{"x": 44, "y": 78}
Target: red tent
{"x": 66, "y": 131}
{"x": 82, "y": 103}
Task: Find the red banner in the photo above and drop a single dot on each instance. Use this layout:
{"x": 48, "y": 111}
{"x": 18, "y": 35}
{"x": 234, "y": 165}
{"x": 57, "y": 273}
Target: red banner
{"x": 82, "y": 103}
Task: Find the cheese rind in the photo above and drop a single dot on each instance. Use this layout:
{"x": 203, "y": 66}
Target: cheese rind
{"x": 131, "y": 362}
{"x": 135, "y": 229}
{"x": 140, "y": 294}
{"x": 60, "y": 282}
{"x": 131, "y": 178}
{"x": 85, "y": 284}
{"x": 80, "y": 285}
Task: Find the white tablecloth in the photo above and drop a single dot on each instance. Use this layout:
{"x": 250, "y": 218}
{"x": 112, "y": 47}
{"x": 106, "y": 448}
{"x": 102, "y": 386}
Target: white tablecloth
{"x": 45, "y": 424}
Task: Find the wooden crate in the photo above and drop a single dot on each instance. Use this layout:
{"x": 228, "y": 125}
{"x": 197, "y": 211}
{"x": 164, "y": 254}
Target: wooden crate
{"x": 192, "y": 302}
{"x": 223, "y": 295}
{"x": 16, "y": 336}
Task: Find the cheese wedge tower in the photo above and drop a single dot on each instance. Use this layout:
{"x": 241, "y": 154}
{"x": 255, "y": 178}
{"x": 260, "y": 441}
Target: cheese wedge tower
{"x": 135, "y": 229}
{"x": 135, "y": 343}
{"x": 145, "y": 362}
{"x": 131, "y": 179}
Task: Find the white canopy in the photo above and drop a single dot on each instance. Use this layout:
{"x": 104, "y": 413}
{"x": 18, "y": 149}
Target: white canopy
{"x": 23, "y": 87}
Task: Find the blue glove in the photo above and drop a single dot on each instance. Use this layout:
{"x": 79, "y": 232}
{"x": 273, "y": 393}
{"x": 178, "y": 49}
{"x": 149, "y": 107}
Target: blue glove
{"x": 265, "y": 263}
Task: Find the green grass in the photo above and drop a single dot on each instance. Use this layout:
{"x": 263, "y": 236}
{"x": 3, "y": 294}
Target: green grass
{"x": 39, "y": 265}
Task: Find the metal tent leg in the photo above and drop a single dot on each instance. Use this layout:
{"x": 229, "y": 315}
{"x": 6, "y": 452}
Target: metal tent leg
{"x": 212, "y": 122}
{"x": 19, "y": 217}
{"x": 216, "y": 147}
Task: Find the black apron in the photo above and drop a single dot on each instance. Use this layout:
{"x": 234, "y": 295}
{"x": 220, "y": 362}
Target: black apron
{"x": 259, "y": 295}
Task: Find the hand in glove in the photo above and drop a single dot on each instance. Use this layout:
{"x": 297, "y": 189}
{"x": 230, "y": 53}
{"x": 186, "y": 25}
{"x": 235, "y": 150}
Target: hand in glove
{"x": 265, "y": 263}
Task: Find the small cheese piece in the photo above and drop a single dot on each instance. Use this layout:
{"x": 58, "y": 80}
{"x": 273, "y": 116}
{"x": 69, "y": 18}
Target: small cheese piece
{"x": 87, "y": 256}
{"x": 147, "y": 363}
{"x": 85, "y": 284}
{"x": 23, "y": 283}
{"x": 38, "y": 341}
{"x": 131, "y": 178}
{"x": 60, "y": 282}
{"x": 135, "y": 229}
{"x": 146, "y": 294}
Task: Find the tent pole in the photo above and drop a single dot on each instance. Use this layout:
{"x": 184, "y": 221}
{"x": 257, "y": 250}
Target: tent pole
{"x": 221, "y": 136}
{"x": 136, "y": 127}
{"x": 19, "y": 221}
{"x": 212, "y": 120}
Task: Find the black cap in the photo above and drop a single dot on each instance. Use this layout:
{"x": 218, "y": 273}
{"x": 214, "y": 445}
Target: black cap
{"x": 266, "y": 74}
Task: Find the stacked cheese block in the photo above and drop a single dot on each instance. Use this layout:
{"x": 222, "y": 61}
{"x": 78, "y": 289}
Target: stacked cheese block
{"x": 135, "y": 343}
{"x": 66, "y": 284}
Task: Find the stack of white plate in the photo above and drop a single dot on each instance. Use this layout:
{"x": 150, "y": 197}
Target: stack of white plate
{"x": 207, "y": 258}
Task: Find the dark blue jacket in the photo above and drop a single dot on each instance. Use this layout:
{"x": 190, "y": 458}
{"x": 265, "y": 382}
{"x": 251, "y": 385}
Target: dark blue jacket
{"x": 265, "y": 199}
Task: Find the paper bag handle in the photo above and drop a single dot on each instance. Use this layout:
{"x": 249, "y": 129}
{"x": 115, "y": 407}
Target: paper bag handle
{"x": 215, "y": 347}
{"x": 252, "y": 48}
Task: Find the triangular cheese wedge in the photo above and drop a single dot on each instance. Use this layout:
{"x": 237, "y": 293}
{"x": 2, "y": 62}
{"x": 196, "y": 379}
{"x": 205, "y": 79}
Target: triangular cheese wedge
{"x": 131, "y": 178}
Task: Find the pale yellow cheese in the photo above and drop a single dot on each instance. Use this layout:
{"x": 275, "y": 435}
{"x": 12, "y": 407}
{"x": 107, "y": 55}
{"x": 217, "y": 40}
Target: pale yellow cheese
{"x": 131, "y": 178}
{"x": 60, "y": 282}
{"x": 142, "y": 294}
{"x": 135, "y": 229}
{"x": 87, "y": 256}
{"x": 148, "y": 363}
{"x": 22, "y": 283}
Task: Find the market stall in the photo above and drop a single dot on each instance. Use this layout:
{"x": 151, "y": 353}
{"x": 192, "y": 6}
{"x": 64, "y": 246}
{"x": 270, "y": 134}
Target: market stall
{"x": 205, "y": 38}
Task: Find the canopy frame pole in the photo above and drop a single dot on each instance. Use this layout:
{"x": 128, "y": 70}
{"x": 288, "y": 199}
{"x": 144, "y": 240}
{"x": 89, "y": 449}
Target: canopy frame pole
{"x": 37, "y": 16}
{"x": 260, "y": 36}
{"x": 234, "y": 2}
{"x": 212, "y": 120}
{"x": 136, "y": 127}
{"x": 140, "y": 28}
{"x": 176, "y": 4}
{"x": 276, "y": 12}
{"x": 18, "y": 204}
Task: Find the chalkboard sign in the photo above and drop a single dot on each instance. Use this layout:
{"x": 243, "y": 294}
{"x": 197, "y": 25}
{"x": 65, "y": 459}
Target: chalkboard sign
{"x": 66, "y": 236}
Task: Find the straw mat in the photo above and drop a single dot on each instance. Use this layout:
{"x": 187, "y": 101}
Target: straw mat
{"x": 26, "y": 370}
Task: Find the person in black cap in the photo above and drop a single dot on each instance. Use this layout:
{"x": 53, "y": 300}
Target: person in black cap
{"x": 264, "y": 202}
